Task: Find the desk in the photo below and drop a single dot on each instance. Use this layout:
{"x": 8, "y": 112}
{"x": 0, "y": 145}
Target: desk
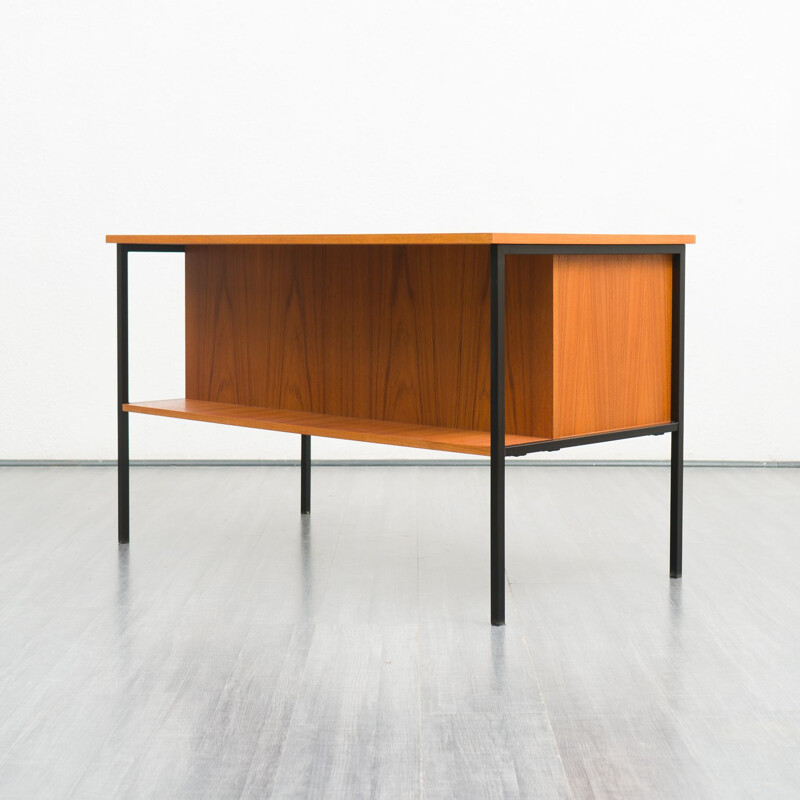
{"x": 491, "y": 344}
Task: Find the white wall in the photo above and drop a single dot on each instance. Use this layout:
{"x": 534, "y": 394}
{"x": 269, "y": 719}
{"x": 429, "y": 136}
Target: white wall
{"x": 265, "y": 117}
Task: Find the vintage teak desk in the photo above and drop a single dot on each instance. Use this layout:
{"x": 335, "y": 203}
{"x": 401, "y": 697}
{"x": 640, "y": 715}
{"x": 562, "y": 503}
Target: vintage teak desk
{"x": 492, "y": 344}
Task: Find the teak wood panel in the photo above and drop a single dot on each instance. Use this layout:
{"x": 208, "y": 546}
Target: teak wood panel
{"x": 612, "y": 342}
{"x": 529, "y": 345}
{"x": 395, "y": 333}
{"x": 408, "y": 238}
{"x": 401, "y": 334}
{"x": 303, "y": 422}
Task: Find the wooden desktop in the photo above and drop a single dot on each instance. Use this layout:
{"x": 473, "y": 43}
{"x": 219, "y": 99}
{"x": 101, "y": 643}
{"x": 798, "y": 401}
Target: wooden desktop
{"x": 489, "y": 344}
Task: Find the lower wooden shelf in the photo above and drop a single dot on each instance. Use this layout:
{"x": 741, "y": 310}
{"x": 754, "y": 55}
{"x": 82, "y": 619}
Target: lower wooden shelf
{"x": 453, "y": 440}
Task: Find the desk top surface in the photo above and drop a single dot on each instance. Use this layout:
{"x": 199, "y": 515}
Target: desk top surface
{"x": 410, "y": 238}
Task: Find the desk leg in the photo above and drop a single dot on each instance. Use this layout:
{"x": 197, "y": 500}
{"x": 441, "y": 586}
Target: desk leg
{"x": 676, "y": 467}
{"x": 123, "y": 456}
{"x": 676, "y": 507}
{"x": 305, "y": 474}
{"x": 498, "y": 438}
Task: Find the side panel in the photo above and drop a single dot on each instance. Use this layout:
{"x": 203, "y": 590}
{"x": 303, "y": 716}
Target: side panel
{"x": 612, "y": 325}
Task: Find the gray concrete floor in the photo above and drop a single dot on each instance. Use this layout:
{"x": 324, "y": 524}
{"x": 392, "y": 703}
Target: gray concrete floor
{"x": 238, "y": 650}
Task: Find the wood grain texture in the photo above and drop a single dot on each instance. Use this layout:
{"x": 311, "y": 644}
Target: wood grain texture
{"x": 401, "y": 334}
{"x": 529, "y": 345}
{"x": 386, "y": 333}
{"x": 612, "y": 322}
{"x": 238, "y": 651}
{"x": 397, "y": 334}
{"x": 407, "y": 238}
{"x": 303, "y": 422}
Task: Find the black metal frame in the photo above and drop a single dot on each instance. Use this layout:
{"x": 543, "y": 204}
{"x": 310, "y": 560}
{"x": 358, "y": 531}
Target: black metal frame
{"x": 123, "y": 440}
{"x": 123, "y": 452}
{"x": 551, "y": 445}
{"x": 676, "y": 405}
{"x": 123, "y": 435}
{"x": 305, "y": 474}
{"x": 499, "y": 450}
{"x": 497, "y": 467}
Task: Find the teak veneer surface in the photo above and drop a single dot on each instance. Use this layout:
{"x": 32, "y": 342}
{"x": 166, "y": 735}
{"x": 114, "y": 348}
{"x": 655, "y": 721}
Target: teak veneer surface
{"x": 612, "y": 322}
{"x": 409, "y": 238}
{"x": 529, "y": 345}
{"x": 360, "y": 430}
{"x": 401, "y": 334}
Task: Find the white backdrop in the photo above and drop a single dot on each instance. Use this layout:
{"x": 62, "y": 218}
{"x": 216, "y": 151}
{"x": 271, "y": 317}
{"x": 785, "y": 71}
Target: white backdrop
{"x": 310, "y": 117}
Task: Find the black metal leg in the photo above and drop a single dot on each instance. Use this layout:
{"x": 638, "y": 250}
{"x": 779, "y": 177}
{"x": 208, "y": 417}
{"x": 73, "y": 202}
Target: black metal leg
{"x": 676, "y": 507}
{"x": 123, "y": 455}
{"x": 498, "y": 438}
{"x": 305, "y": 474}
{"x": 676, "y": 467}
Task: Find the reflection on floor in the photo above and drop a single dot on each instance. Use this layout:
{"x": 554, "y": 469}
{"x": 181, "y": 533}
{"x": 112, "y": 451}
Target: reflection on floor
{"x": 235, "y": 649}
